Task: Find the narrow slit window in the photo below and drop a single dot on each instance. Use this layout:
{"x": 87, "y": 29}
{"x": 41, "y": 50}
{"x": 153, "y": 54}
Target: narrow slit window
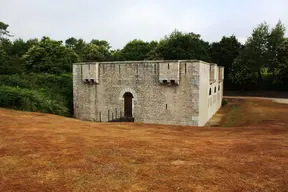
{"x": 215, "y": 90}
{"x": 81, "y": 71}
{"x": 166, "y": 106}
{"x": 168, "y": 66}
{"x": 210, "y": 91}
{"x": 185, "y": 68}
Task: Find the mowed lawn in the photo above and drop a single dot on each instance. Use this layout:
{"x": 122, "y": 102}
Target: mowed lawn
{"x": 41, "y": 152}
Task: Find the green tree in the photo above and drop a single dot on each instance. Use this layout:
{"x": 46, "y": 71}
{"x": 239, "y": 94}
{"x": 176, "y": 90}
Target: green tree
{"x": 20, "y": 47}
{"x": 104, "y": 48}
{"x": 3, "y": 30}
{"x": 92, "y": 52}
{"x": 101, "y": 43}
{"x": 240, "y": 73}
{"x": 152, "y": 54}
{"x": 14, "y": 52}
{"x": 8, "y": 62}
{"x": 116, "y": 55}
{"x": 275, "y": 46}
{"x": 5, "y": 63}
{"x": 50, "y": 56}
{"x": 281, "y": 72}
{"x": 255, "y": 53}
{"x": 225, "y": 51}
{"x": 183, "y": 46}
{"x": 135, "y": 50}
{"x": 76, "y": 45}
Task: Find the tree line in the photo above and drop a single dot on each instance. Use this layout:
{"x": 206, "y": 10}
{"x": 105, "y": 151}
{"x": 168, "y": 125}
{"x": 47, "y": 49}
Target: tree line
{"x": 39, "y": 66}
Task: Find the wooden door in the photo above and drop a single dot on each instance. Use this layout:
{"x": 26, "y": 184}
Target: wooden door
{"x": 128, "y": 104}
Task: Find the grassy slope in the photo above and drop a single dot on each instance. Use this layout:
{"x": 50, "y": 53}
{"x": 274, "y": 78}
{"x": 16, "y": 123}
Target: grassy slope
{"x": 246, "y": 112}
{"x": 41, "y": 152}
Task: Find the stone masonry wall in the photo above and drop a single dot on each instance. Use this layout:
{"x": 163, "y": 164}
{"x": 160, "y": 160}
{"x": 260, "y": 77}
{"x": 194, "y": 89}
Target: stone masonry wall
{"x": 153, "y": 102}
{"x": 211, "y": 92}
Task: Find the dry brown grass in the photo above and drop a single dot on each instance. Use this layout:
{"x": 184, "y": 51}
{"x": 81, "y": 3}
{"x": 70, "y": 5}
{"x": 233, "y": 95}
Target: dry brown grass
{"x": 247, "y": 112}
{"x": 40, "y": 152}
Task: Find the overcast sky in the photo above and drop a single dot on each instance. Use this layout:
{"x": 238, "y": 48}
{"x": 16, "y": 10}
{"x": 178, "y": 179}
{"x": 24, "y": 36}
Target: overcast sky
{"x": 119, "y": 21}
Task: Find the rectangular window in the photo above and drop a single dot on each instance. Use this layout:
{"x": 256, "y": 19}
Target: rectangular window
{"x": 168, "y": 65}
{"x": 166, "y": 106}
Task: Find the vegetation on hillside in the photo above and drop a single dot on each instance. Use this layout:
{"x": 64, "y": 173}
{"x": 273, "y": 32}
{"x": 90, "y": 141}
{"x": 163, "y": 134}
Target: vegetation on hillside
{"x": 43, "y": 66}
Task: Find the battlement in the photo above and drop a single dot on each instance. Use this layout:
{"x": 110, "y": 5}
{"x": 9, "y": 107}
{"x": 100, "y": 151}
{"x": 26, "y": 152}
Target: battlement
{"x": 168, "y": 72}
{"x": 221, "y": 73}
{"x": 90, "y": 73}
{"x": 213, "y": 73}
{"x": 139, "y": 62}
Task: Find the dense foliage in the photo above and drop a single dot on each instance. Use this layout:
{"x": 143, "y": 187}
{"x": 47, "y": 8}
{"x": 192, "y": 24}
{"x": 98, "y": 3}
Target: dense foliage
{"x": 35, "y": 75}
{"x": 53, "y": 90}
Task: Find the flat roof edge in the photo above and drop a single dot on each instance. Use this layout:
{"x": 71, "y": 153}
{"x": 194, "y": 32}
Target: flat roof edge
{"x": 144, "y": 61}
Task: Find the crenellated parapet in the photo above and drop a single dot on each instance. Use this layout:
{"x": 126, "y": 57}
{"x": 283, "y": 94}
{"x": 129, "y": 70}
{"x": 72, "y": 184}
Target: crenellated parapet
{"x": 213, "y": 73}
{"x": 90, "y": 73}
{"x": 221, "y": 73}
{"x": 169, "y": 73}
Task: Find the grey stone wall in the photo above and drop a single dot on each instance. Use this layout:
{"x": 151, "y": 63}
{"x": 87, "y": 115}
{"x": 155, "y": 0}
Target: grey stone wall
{"x": 99, "y": 95}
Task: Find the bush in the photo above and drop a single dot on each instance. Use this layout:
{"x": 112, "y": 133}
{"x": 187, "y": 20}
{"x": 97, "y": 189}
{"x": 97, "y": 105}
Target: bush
{"x": 58, "y": 88}
{"x": 30, "y": 100}
{"x": 224, "y": 102}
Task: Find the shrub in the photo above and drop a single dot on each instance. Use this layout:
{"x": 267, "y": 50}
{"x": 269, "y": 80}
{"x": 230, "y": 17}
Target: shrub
{"x": 58, "y": 88}
{"x": 30, "y": 100}
{"x": 224, "y": 102}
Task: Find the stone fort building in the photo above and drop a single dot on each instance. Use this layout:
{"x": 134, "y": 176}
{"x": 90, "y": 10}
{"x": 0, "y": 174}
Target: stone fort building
{"x": 186, "y": 92}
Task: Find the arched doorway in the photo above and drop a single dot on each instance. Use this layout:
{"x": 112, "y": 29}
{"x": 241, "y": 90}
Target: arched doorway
{"x": 128, "y": 104}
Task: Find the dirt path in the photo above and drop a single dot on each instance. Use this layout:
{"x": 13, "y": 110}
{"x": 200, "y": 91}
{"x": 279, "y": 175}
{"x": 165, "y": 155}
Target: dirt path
{"x": 277, "y": 100}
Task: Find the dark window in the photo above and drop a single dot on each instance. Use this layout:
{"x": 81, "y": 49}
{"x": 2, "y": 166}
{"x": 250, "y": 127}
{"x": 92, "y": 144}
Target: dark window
{"x": 173, "y": 82}
{"x": 128, "y": 104}
{"x": 168, "y": 65}
{"x": 185, "y": 68}
{"x": 219, "y": 88}
{"x": 166, "y": 106}
{"x": 215, "y": 90}
{"x": 164, "y": 81}
{"x": 210, "y": 91}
